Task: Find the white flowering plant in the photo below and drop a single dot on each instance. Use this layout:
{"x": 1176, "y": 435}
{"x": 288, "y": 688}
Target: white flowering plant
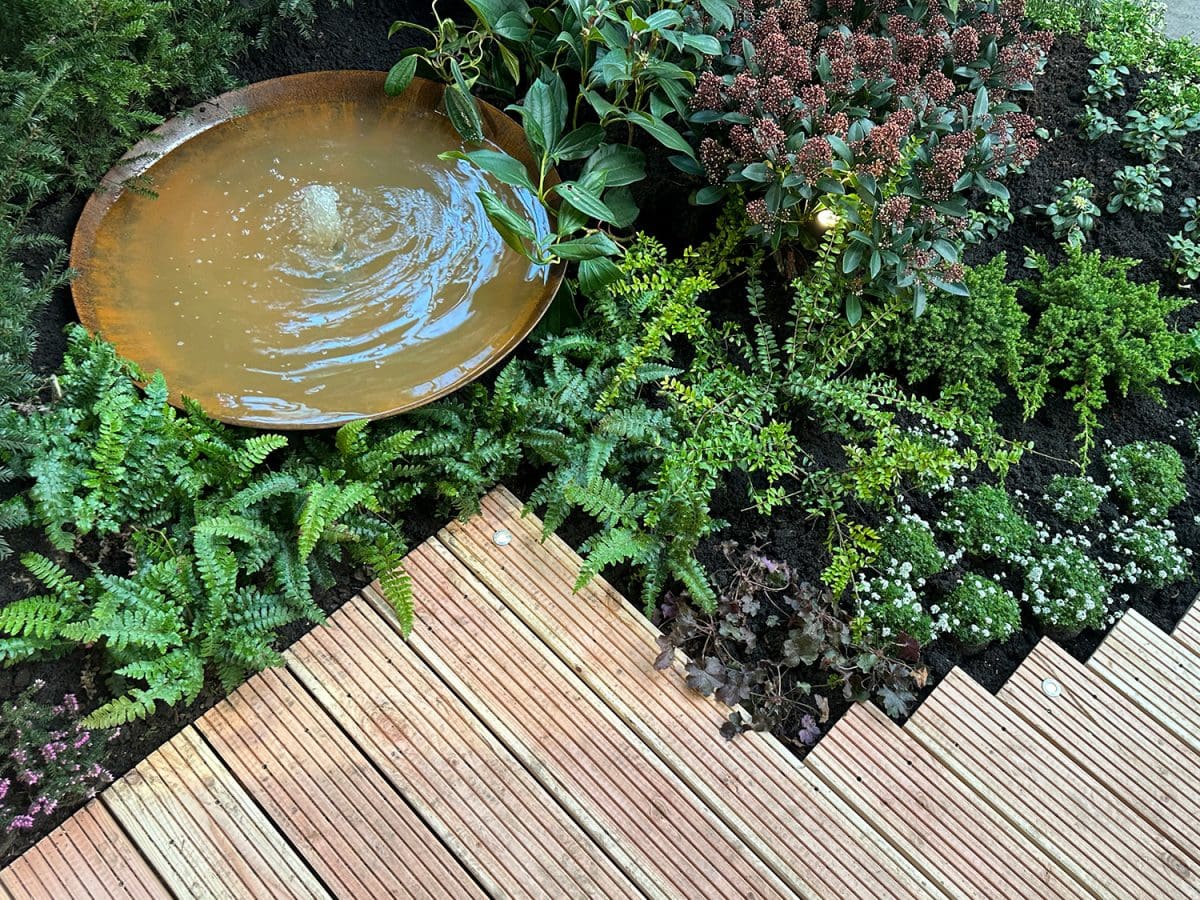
{"x": 1066, "y": 589}
{"x": 1147, "y": 476}
{"x": 907, "y": 538}
{"x": 1076, "y": 499}
{"x": 1149, "y": 553}
{"x": 980, "y": 611}
{"x": 892, "y": 608}
{"x": 986, "y": 524}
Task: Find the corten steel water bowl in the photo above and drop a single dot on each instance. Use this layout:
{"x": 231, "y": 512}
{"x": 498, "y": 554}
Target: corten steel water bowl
{"x": 294, "y": 254}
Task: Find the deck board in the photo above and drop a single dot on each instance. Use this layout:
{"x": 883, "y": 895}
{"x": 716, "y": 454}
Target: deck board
{"x": 1187, "y": 632}
{"x": 1149, "y": 769}
{"x": 201, "y": 831}
{"x": 967, "y": 848}
{"x": 87, "y": 856}
{"x": 329, "y": 801}
{"x": 1157, "y": 673}
{"x": 475, "y": 796}
{"x": 584, "y": 753}
{"x": 738, "y": 780}
{"x": 1046, "y": 795}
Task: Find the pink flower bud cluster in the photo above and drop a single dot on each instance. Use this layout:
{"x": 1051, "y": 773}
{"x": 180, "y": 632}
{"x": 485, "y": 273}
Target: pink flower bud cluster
{"x": 814, "y": 66}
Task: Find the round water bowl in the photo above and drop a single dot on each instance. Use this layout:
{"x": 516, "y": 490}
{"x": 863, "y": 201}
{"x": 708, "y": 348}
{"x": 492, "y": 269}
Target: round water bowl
{"x": 295, "y": 255}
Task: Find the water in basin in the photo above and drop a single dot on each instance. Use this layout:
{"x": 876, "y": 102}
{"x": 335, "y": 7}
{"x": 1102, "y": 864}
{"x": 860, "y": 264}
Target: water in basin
{"x": 305, "y": 264}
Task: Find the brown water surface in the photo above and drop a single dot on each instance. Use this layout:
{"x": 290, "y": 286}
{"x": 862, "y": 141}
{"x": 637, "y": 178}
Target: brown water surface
{"x": 312, "y": 263}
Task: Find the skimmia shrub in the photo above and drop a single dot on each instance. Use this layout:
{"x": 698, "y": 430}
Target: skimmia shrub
{"x": 49, "y": 760}
{"x": 888, "y": 113}
{"x": 1072, "y": 212}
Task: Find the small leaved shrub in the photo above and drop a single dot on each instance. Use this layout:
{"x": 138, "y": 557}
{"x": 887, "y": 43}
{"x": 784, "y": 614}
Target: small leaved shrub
{"x": 907, "y": 538}
{"x": 979, "y": 611}
{"x": 49, "y": 760}
{"x": 1147, "y": 476}
{"x": 1151, "y": 553}
{"x": 968, "y": 344}
{"x": 985, "y": 523}
{"x": 1076, "y": 499}
{"x": 1065, "y": 588}
{"x": 1094, "y": 326}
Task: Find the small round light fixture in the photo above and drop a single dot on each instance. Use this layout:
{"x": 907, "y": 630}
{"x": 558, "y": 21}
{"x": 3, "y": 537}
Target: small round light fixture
{"x": 1051, "y": 688}
{"x": 825, "y": 220}
{"x": 502, "y": 537}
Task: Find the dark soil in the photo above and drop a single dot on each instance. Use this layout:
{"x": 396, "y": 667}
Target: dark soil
{"x": 356, "y": 38}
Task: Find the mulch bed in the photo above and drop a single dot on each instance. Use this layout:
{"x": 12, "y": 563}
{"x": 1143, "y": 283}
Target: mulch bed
{"x": 357, "y": 38}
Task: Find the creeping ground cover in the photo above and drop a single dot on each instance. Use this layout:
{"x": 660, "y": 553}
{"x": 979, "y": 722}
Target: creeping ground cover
{"x": 878, "y": 355}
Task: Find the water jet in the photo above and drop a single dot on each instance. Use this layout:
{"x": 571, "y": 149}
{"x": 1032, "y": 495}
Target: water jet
{"x": 303, "y": 257}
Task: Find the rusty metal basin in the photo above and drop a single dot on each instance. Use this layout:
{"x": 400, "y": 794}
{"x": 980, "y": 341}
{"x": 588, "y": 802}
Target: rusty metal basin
{"x": 294, "y": 254}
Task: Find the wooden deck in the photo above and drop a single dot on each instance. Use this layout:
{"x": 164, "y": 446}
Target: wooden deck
{"x": 521, "y": 744}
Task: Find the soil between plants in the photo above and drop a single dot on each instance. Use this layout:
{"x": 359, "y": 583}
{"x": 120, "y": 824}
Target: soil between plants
{"x": 356, "y": 38}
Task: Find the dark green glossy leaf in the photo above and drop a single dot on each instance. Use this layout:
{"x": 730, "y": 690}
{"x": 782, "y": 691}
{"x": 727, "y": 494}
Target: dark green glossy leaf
{"x": 576, "y": 195}
{"x": 595, "y": 274}
{"x": 580, "y": 142}
{"x": 495, "y": 162}
{"x": 400, "y": 76}
{"x": 590, "y": 246}
{"x": 513, "y": 228}
{"x": 464, "y": 114}
{"x": 661, "y": 132}
{"x": 620, "y": 163}
{"x": 720, "y": 12}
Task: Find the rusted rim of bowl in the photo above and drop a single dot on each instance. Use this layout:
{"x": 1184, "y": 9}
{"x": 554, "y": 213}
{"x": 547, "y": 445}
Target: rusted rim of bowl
{"x": 312, "y": 87}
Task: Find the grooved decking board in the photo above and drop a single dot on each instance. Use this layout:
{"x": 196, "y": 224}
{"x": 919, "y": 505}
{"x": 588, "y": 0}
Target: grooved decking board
{"x": 1046, "y": 795}
{"x": 1187, "y": 632}
{"x": 340, "y": 814}
{"x": 1145, "y": 765}
{"x": 1157, "y": 673}
{"x": 201, "y": 831}
{"x": 741, "y": 780}
{"x": 469, "y": 789}
{"x": 581, "y": 752}
{"x": 965, "y": 846}
{"x": 87, "y": 856}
